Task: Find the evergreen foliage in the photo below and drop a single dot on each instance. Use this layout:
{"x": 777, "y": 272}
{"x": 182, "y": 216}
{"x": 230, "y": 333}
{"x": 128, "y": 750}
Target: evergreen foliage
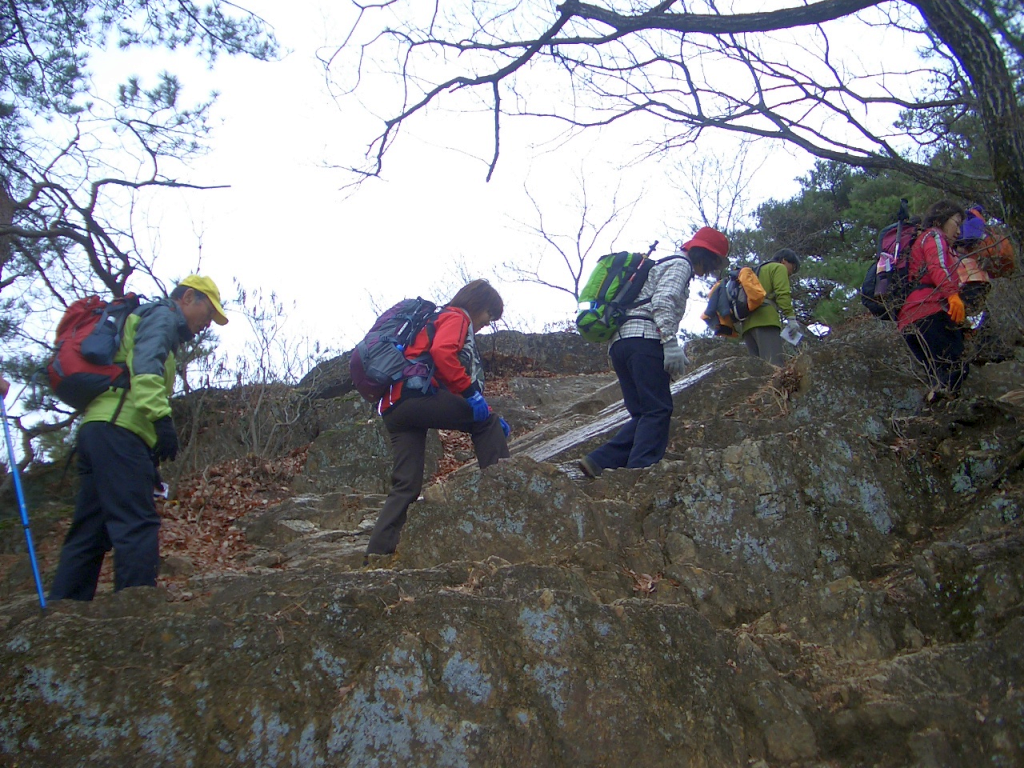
{"x": 73, "y": 160}
{"x": 834, "y": 220}
{"x": 833, "y": 224}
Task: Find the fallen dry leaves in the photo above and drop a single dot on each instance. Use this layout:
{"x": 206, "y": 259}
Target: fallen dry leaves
{"x": 454, "y": 446}
{"x": 643, "y": 583}
{"x": 457, "y": 447}
{"x": 199, "y": 525}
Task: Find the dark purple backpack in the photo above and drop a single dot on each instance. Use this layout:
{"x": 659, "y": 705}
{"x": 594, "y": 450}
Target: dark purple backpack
{"x": 379, "y": 360}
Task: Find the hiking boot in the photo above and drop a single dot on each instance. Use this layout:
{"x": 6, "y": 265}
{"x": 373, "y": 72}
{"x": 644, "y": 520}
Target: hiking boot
{"x": 375, "y": 562}
{"x": 590, "y": 468}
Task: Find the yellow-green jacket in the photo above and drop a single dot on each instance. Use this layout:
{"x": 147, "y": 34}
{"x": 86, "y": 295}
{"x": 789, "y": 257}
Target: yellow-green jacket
{"x": 775, "y": 278}
{"x": 151, "y": 337}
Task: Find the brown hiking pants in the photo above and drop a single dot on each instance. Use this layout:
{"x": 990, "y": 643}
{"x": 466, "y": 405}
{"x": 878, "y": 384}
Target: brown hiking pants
{"x": 407, "y": 424}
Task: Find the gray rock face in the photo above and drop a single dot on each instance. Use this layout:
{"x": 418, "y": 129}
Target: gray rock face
{"x": 821, "y": 572}
{"x": 558, "y": 353}
{"x": 437, "y": 667}
{"x": 503, "y": 352}
{"x": 354, "y": 452}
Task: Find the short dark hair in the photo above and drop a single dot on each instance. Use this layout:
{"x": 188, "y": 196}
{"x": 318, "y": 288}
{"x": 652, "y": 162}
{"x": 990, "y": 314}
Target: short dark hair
{"x": 941, "y": 212}
{"x": 479, "y": 296}
{"x": 788, "y": 254}
{"x": 179, "y": 293}
{"x": 706, "y": 261}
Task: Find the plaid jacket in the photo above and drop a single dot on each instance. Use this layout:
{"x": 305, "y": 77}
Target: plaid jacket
{"x": 668, "y": 288}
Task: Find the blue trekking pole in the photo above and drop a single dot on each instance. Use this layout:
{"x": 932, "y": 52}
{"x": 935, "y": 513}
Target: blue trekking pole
{"x": 21, "y": 505}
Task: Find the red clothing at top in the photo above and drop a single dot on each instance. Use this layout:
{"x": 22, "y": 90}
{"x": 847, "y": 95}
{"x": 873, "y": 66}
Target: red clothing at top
{"x": 933, "y": 268}
{"x": 451, "y": 331}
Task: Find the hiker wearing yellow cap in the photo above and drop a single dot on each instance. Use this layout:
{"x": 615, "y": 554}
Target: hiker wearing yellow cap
{"x": 207, "y": 289}
{"x": 125, "y": 433}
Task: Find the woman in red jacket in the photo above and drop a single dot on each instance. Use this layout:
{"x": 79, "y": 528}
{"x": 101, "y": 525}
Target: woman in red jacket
{"x": 933, "y": 315}
{"x": 453, "y": 398}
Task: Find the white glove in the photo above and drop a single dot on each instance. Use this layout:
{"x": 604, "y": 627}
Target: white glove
{"x": 792, "y": 332}
{"x": 675, "y": 359}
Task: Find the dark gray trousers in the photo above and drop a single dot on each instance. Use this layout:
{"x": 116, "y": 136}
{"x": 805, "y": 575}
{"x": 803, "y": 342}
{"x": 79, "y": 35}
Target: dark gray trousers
{"x": 765, "y": 342}
{"x": 938, "y": 343}
{"x": 407, "y": 424}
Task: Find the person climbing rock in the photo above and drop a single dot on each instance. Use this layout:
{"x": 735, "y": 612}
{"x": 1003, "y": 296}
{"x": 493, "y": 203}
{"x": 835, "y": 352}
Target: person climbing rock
{"x": 932, "y": 318}
{"x": 646, "y": 355}
{"x": 124, "y": 434}
{"x": 454, "y": 399}
{"x": 762, "y": 331}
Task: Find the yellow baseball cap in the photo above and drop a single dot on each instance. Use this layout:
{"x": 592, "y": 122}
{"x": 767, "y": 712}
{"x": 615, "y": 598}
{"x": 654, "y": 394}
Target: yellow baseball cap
{"x": 209, "y": 289}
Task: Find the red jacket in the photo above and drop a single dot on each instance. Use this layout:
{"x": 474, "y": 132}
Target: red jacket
{"x": 451, "y": 330}
{"x": 933, "y": 268}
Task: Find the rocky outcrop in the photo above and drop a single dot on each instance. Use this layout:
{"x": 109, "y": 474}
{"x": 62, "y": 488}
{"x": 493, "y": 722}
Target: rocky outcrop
{"x": 822, "y": 572}
{"x": 354, "y": 452}
{"x": 485, "y": 665}
{"x": 502, "y": 352}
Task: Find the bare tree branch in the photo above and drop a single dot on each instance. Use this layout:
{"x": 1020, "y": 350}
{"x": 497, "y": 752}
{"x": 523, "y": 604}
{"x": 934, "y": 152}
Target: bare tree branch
{"x": 590, "y": 230}
{"x": 774, "y": 75}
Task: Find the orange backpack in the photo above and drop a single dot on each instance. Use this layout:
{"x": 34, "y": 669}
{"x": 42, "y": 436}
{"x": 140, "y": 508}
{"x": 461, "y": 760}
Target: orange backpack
{"x": 734, "y": 299}
{"x": 987, "y": 244}
{"x": 995, "y": 253}
{"x": 745, "y": 293}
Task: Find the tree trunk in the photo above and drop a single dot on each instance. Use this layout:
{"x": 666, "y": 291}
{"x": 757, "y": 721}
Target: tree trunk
{"x": 1002, "y": 117}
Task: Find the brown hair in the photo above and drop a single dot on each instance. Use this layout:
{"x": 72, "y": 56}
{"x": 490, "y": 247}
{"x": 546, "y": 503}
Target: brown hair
{"x": 705, "y": 261}
{"x": 479, "y": 296}
{"x": 941, "y": 212}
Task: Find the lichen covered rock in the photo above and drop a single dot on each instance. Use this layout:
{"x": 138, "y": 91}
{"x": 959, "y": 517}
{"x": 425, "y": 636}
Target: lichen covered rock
{"x": 822, "y": 571}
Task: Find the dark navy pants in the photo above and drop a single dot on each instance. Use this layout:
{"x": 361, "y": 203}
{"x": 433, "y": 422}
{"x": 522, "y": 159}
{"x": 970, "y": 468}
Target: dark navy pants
{"x": 115, "y": 509}
{"x": 647, "y": 395}
{"x": 938, "y": 344}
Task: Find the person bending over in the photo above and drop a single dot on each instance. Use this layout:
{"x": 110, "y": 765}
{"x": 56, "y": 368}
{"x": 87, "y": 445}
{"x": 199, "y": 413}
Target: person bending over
{"x": 932, "y": 317}
{"x": 451, "y": 398}
{"x": 645, "y": 355}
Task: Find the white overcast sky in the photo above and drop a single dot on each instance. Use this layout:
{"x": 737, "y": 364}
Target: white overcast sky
{"x": 287, "y": 225}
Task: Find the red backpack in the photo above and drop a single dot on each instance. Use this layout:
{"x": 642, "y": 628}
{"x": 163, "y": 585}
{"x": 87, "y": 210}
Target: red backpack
{"x": 888, "y": 282}
{"x": 88, "y": 337}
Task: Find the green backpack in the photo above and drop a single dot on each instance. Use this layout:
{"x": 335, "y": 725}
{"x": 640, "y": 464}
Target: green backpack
{"x": 611, "y": 292}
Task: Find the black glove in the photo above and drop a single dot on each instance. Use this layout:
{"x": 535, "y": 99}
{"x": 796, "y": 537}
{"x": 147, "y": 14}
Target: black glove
{"x": 166, "y": 439}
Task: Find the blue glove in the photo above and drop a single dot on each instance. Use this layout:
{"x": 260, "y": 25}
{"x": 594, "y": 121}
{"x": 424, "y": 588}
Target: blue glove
{"x": 505, "y": 427}
{"x": 481, "y": 410}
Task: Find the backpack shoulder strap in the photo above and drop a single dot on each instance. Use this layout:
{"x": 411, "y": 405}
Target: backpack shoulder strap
{"x": 658, "y": 263}
{"x": 678, "y": 257}
{"x": 918, "y": 278}
{"x": 431, "y": 325}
